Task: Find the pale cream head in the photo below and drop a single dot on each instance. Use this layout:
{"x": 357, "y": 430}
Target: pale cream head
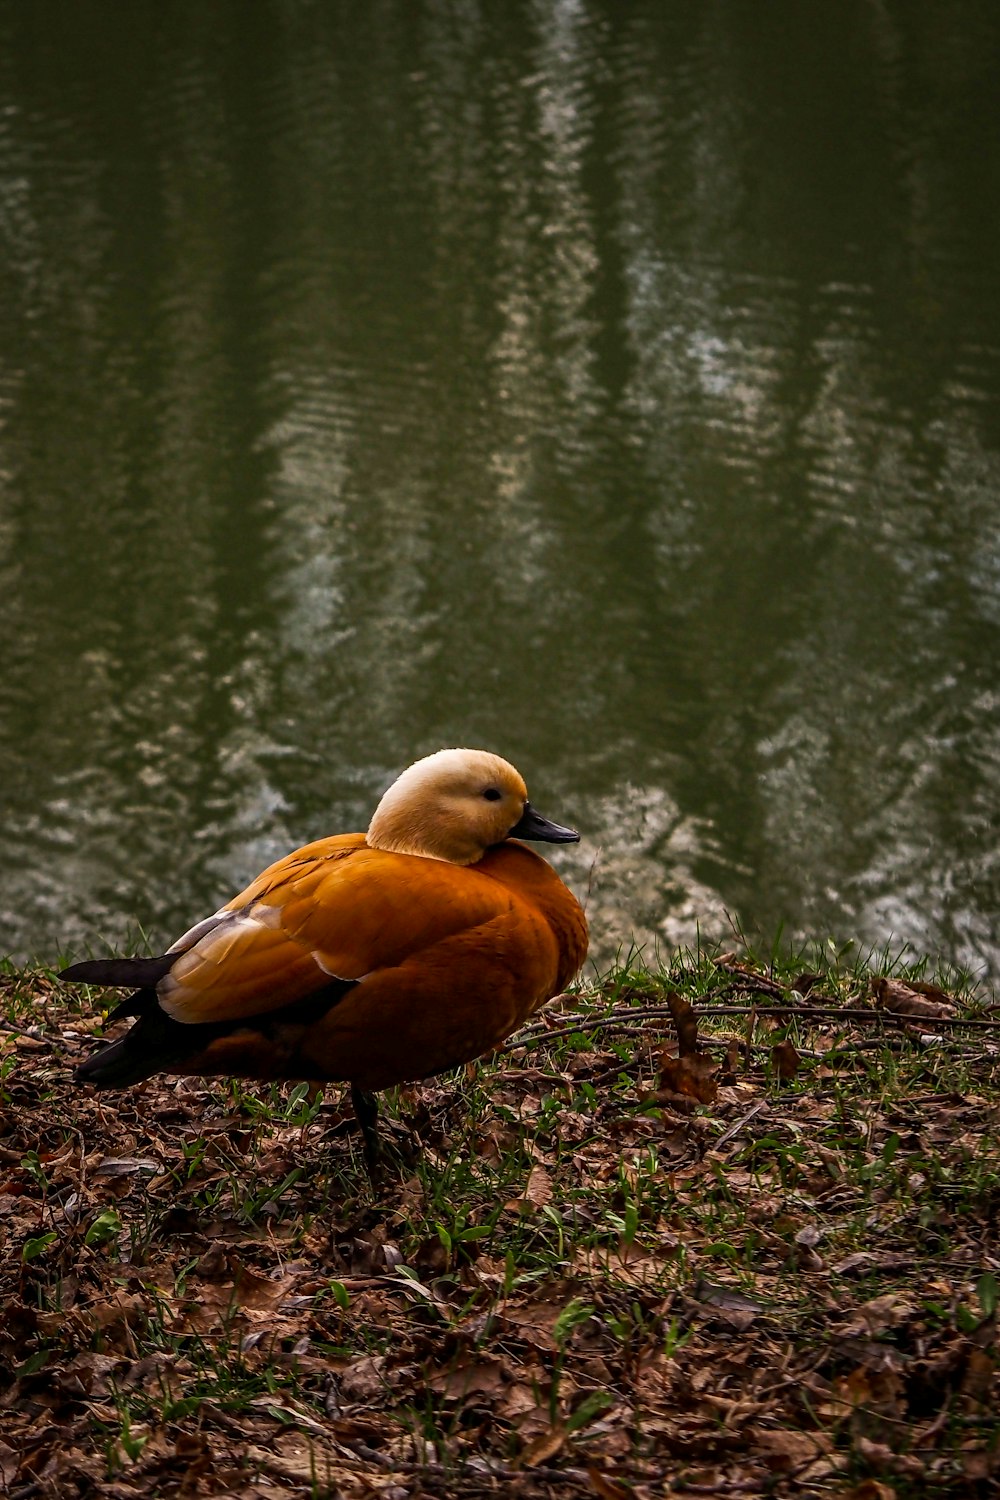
{"x": 452, "y": 805}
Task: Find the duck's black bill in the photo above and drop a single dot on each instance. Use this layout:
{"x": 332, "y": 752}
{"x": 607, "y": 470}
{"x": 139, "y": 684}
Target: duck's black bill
{"x": 533, "y": 826}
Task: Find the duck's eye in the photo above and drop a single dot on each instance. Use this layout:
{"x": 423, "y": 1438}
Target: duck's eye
{"x": 492, "y": 795}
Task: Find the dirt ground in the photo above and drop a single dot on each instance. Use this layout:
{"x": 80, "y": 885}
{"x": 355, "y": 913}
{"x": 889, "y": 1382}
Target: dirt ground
{"x": 744, "y": 1251}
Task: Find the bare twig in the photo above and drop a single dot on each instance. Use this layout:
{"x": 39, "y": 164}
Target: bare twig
{"x": 625, "y": 1018}
{"x": 752, "y": 981}
{"x": 849, "y": 1013}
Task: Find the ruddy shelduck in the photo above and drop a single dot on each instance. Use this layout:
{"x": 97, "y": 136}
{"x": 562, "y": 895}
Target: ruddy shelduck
{"x": 367, "y": 958}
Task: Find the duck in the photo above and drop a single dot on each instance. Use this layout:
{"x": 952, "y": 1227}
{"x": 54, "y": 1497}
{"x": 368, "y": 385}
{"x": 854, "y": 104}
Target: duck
{"x": 367, "y": 959}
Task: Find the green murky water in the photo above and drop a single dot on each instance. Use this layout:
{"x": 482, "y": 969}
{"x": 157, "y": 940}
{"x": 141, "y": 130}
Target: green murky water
{"x": 613, "y": 385}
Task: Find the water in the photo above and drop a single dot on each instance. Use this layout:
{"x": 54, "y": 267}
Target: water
{"x": 615, "y": 387}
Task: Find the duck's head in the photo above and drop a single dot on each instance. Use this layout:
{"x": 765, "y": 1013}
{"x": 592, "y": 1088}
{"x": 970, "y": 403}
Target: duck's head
{"x": 456, "y": 804}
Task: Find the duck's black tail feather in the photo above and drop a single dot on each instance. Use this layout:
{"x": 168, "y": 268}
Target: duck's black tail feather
{"x": 154, "y": 1044}
{"x": 144, "y": 973}
{"x": 136, "y": 973}
{"x": 157, "y": 1043}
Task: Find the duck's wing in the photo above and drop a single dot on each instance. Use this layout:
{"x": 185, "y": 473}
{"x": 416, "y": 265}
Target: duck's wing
{"x": 333, "y": 910}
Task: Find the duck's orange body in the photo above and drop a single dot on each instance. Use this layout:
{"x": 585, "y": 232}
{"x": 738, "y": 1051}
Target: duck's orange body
{"x": 349, "y": 960}
{"x": 447, "y": 961}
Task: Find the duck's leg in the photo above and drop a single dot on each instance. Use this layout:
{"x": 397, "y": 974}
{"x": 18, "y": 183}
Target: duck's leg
{"x": 366, "y": 1110}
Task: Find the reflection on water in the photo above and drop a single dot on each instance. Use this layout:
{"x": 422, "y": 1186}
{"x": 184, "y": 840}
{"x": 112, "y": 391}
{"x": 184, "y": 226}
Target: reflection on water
{"x": 613, "y": 386}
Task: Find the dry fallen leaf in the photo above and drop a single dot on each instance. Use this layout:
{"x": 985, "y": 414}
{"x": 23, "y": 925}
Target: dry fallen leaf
{"x": 9, "y": 1465}
{"x": 692, "y": 1075}
{"x": 785, "y": 1060}
{"x": 773, "y": 1379}
{"x": 978, "y": 1375}
{"x": 874, "y": 1317}
{"x": 686, "y": 1022}
{"x": 979, "y": 1464}
{"x": 731, "y": 1305}
{"x": 923, "y": 1002}
{"x": 872, "y": 1489}
{"x": 364, "y": 1378}
{"x": 805, "y": 983}
{"x": 537, "y": 1192}
{"x": 787, "y": 1450}
{"x": 474, "y": 1377}
{"x": 687, "y": 1078}
{"x": 730, "y": 1062}
{"x": 538, "y": 1188}
{"x": 883, "y": 1456}
{"x": 607, "y": 1489}
{"x": 545, "y": 1446}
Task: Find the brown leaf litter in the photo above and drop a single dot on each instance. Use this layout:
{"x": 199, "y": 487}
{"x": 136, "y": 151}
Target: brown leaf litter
{"x": 675, "y": 1265}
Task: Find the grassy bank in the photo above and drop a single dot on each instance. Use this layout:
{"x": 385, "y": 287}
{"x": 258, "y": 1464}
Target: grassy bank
{"x": 590, "y": 1265}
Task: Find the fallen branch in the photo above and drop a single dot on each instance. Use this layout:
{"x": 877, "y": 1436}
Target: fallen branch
{"x": 626, "y": 1017}
{"x": 852, "y": 1013}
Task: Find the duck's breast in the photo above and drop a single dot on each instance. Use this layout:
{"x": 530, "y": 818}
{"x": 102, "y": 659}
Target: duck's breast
{"x": 454, "y": 999}
{"x": 531, "y": 878}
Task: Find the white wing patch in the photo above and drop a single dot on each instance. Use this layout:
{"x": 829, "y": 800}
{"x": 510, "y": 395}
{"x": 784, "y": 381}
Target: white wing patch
{"x": 207, "y": 924}
{"x": 223, "y": 931}
{"x": 260, "y": 914}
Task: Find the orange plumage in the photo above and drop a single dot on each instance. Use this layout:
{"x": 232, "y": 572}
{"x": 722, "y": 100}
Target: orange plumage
{"x": 371, "y": 959}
